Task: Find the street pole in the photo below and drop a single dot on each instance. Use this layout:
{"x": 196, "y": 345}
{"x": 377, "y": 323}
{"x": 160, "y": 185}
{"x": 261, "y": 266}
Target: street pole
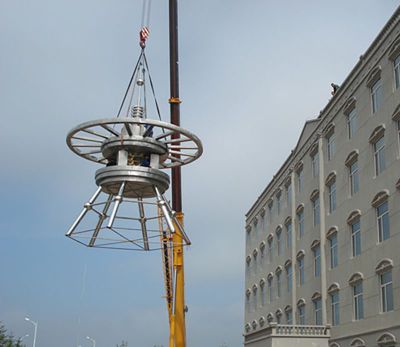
{"x": 35, "y": 324}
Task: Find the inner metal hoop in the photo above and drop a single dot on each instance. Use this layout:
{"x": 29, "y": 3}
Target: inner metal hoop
{"x": 87, "y": 139}
{"x": 139, "y": 181}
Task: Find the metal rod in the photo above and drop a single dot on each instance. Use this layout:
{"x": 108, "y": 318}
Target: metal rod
{"x": 86, "y": 208}
{"x": 102, "y": 217}
{"x": 94, "y": 133}
{"x": 143, "y": 224}
{"x": 163, "y": 206}
{"x": 86, "y": 139}
{"x": 118, "y": 200}
{"x": 109, "y": 129}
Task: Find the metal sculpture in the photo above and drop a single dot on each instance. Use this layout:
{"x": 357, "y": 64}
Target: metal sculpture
{"x": 134, "y": 151}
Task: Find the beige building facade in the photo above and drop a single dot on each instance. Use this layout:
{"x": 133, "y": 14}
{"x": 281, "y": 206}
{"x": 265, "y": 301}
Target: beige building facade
{"x": 323, "y": 238}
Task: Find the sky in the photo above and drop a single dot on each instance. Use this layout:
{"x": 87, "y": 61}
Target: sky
{"x": 251, "y": 73}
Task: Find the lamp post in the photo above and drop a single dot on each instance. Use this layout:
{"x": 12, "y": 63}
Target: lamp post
{"x": 93, "y": 340}
{"x": 35, "y": 324}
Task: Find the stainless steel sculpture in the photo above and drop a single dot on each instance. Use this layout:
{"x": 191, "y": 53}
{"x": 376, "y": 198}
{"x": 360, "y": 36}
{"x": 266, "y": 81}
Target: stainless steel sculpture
{"x": 129, "y": 209}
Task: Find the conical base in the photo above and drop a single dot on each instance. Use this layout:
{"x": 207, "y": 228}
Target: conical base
{"x": 119, "y": 222}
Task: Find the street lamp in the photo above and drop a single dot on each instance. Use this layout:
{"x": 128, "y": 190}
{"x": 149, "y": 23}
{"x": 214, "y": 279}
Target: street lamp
{"x": 23, "y": 337}
{"x": 93, "y": 340}
{"x": 35, "y": 324}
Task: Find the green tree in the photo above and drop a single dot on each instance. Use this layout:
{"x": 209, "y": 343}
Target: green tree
{"x": 7, "y": 340}
{"x": 123, "y": 344}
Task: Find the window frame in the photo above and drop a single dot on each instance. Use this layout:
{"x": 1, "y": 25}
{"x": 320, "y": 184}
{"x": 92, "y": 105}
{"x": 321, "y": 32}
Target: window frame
{"x": 300, "y": 222}
{"x": 332, "y": 196}
{"x": 317, "y": 303}
{"x": 354, "y": 177}
{"x": 396, "y": 71}
{"x": 317, "y": 260}
{"x": 330, "y": 145}
{"x": 316, "y": 211}
{"x": 352, "y": 125}
{"x": 300, "y": 267}
{"x": 335, "y": 307}
{"x": 356, "y": 238}
{"x": 358, "y": 300}
{"x": 315, "y": 164}
{"x": 383, "y": 219}
{"x": 333, "y": 251}
{"x": 379, "y": 155}
{"x": 383, "y": 292}
{"x": 376, "y": 95}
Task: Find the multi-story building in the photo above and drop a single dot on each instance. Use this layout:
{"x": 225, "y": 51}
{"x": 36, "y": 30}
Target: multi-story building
{"x": 323, "y": 238}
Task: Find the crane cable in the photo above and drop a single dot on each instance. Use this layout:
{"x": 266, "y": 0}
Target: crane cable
{"x": 142, "y": 61}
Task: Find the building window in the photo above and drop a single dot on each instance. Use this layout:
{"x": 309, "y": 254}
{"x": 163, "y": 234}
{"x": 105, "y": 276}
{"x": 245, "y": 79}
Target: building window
{"x": 289, "y": 235}
{"x": 318, "y": 311}
{"x": 351, "y": 123}
{"x": 332, "y": 196}
{"x": 382, "y": 213}
{"x": 278, "y": 284}
{"x": 270, "y": 250}
{"x": 300, "y": 265}
{"x": 379, "y": 155}
{"x": 335, "y": 312}
{"x": 289, "y": 194}
{"x": 302, "y": 315}
{"x": 278, "y": 204}
{"x": 289, "y": 318}
{"x": 270, "y": 214}
{"x": 333, "y": 246}
{"x": 279, "y": 241}
{"x": 300, "y": 222}
{"x": 278, "y": 317}
{"x": 397, "y": 72}
{"x": 358, "y": 304}
{"x": 356, "y": 238}
{"x": 270, "y": 291}
{"x": 300, "y": 180}
{"x": 386, "y": 285}
{"x": 331, "y": 147}
{"x": 317, "y": 260}
{"x": 354, "y": 178}
{"x": 315, "y": 207}
{"x": 398, "y": 132}
{"x": 376, "y": 95}
{"x": 315, "y": 165}
{"x": 289, "y": 278}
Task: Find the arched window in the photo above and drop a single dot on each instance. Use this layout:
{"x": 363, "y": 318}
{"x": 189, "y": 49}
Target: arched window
{"x": 381, "y": 204}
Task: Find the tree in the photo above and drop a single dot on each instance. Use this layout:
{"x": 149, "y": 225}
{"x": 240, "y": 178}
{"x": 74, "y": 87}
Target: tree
{"x": 123, "y": 344}
{"x": 7, "y": 340}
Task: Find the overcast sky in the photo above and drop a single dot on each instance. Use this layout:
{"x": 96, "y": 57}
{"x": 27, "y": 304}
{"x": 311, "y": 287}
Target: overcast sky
{"x": 252, "y": 72}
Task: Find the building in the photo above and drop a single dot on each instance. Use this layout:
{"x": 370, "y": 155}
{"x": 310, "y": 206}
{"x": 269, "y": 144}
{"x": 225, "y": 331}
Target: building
{"x": 323, "y": 238}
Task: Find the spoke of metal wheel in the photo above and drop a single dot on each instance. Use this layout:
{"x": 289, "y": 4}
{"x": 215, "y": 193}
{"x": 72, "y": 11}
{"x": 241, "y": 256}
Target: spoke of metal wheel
{"x": 85, "y": 146}
{"x": 100, "y": 222}
{"x": 168, "y": 133}
{"x": 143, "y": 224}
{"x": 177, "y": 140}
{"x": 94, "y": 133}
{"x": 182, "y": 153}
{"x": 175, "y": 159}
{"x": 109, "y": 129}
{"x": 86, "y": 139}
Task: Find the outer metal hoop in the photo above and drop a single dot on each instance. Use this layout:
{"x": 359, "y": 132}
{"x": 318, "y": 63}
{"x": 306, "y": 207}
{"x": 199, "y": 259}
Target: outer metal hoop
{"x": 87, "y": 138}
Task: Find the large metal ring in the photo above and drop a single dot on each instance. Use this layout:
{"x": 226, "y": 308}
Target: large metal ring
{"x": 87, "y": 138}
